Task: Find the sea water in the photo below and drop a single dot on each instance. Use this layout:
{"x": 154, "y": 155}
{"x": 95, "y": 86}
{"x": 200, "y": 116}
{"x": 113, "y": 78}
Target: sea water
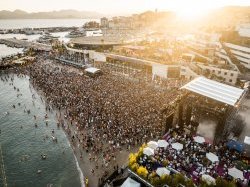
{"x": 23, "y": 144}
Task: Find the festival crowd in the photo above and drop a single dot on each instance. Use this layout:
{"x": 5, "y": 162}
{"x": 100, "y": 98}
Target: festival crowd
{"x": 110, "y": 113}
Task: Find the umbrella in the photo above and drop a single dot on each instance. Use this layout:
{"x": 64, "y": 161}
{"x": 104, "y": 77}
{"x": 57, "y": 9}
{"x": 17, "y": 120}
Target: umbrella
{"x": 212, "y": 157}
{"x": 232, "y": 144}
{"x": 162, "y": 143}
{"x": 148, "y": 151}
{"x": 247, "y": 140}
{"x": 177, "y": 146}
{"x": 153, "y": 144}
{"x": 235, "y": 173}
{"x": 199, "y": 139}
{"x": 210, "y": 180}
{"x": 162, "y": 171}
{"x": 130, "y": 183}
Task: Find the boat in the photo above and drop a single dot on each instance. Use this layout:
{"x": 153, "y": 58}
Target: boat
{"x": 75, "y": 34}
{"x": 47, "y": 38}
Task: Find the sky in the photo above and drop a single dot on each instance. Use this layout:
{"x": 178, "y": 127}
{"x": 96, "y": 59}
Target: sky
{"x": 119, "y": 6}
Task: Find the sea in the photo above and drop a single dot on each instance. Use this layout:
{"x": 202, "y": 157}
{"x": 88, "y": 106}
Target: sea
{"x": 21, "y": 143}
{"x": 42, "y": 23}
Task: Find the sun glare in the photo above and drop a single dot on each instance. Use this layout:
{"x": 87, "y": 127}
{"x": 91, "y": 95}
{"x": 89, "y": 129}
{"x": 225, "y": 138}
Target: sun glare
{"x": 192, "y": 11}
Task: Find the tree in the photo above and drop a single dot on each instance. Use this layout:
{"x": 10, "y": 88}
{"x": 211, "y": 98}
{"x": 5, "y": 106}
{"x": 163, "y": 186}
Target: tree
{"x": 91, "y": 25}
{"x": 142, "y": 171}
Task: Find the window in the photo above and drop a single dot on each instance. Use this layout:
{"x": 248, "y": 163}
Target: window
{"x": 225, "y": 73}
{"x": 232, "y": 74}
{"x": 230, "y": 80}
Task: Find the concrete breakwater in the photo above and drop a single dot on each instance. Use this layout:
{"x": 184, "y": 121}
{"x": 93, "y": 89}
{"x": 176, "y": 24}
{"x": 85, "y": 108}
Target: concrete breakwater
{"x": 31, "y": 31}
{"x": 12, "y": 42}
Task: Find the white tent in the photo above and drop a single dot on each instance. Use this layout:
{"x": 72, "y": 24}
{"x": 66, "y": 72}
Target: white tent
{"x": 130, "y": 183}
{"x": 212, "y": 157}
{"x": 247, "y": 140}
{"x": 210, "y": 180}
{"x": 148, "y": 151}
{"x": 199, "y": 139}
{"x": 177, "y": 146}
{"x": 162, "y": 171}
{"x": 235, "y": 173}
{"x": 162, "y": 143}
{"x": 152, "y": 144}
{"x": 92, "y": 70}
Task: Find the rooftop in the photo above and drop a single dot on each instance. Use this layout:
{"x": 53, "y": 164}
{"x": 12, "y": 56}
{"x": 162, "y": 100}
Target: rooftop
{"x": 98, "y": 40}
{"x": 215, "y": 90}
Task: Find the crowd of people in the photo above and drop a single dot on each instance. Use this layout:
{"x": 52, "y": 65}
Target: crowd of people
{"x": 110, "y": 113}
{"x": 193, "y": 161}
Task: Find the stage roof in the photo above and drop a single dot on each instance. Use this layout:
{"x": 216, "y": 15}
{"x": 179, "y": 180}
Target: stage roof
{"x": 215, "y": 90}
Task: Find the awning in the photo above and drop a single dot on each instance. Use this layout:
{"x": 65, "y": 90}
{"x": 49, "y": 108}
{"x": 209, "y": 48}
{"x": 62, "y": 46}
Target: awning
{"x": 162, "y": 171}
{"x": 92, "y": 70}
{"x": 215, "y": 90}
{"x": 130, "y": 183}
{"x": 212, "y": 157}
{"x": 152, "y": 144}
{"x": 148, "y": 151}
{"x": 232, "y": 144}
{"x": 210, "y": 180}
{"x": 235, "y": 173}
{"x": 199, "y": 139}
{"x": 162, "y": 143}
{"x": 177, "y": 146}
{"x": 247, "y": 140}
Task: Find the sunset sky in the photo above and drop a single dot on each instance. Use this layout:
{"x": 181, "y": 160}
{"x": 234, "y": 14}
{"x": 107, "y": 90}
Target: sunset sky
{"x": 119, "y": 6}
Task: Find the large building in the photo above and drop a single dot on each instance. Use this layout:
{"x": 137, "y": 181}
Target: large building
{"x": 242, "y": 53}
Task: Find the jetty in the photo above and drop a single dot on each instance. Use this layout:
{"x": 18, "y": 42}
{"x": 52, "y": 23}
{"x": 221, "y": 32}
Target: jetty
{"x": 13, "y": 42}
{"x": 15, "y": 61}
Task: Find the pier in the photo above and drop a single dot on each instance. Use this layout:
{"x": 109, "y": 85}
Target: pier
{"x": 2, "y": 170}
{"x": 12, "y": 42}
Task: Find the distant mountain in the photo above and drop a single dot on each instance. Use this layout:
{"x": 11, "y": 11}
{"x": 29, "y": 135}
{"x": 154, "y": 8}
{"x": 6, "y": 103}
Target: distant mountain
{"x": 19, "y": 14}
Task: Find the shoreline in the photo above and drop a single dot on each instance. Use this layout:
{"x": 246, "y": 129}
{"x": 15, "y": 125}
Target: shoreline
{"x": 85, "y": 157}
{"x": 54, "y": 112}
{"x": 16, "y": 71}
